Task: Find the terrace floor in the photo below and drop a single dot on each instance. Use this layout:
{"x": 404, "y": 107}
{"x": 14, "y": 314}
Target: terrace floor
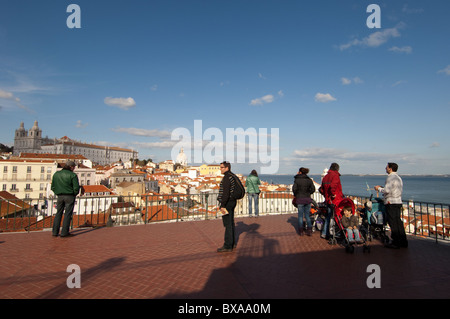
{"x": 179, "y": 261}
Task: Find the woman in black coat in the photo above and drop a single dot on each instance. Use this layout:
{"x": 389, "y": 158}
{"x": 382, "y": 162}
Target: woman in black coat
{"x": 303, "y": 188}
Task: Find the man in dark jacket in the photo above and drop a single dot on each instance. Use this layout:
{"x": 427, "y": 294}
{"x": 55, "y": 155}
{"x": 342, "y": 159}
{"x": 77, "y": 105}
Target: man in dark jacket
{"x": 227, "y": 206}
{"x": 331, "y": 189}
{"x": 65, "y": 185}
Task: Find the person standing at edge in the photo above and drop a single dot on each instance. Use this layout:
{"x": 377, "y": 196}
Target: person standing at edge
{"x": 227, "y": 206}
{"x": 252, "y": 183}
{"x": 331, "y": 189}
{"x": 303, "y": 188}
{"x": 392, "y": 196}
{"x": 66, "y": 186}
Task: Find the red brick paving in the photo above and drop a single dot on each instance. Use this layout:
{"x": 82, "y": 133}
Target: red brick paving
{"x": 179, "y": 260}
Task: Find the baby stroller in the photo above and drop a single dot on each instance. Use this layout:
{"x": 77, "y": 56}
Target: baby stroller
{"x": 374, "y": 220}
{"x": 338, "y": 230}
{"x": 318, "y": 213}
{"x": 316, "y": 216}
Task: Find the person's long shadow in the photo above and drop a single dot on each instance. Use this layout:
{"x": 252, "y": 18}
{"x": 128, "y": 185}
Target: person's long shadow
{"x": 58, "y": 292}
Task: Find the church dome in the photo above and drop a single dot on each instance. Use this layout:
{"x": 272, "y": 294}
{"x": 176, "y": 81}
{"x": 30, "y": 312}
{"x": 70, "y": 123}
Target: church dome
{"x": 181, "y": 158}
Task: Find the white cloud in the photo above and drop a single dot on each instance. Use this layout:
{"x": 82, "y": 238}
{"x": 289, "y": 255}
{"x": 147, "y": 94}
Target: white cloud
{"x": 280, "y": 93}
{"x": 446, "y": 70}
{"x": 152, "y": 145}
{"x": 80, "y": 124}
{"x": 10, "y": 96}
{"x": 122, "y": 103}
{"x": 405, "y": 49}
{"x": 142, "y": 132}
{"x": 398, "y": 83}
{"x": 408, "y": 10}
{"x": 357, "y": 80}
{"x": 324, "y": 98}
{"x": 269, "y": 98}
{"x": 375, "y": 39}
{"x": 347, "y": 81}
{"x": 6, "y": 95}
{"x": 435, "y": 144}
{"x": 154, "y": 88}
{"x": 262, "y": 76}
{"x": 332, "y": 154}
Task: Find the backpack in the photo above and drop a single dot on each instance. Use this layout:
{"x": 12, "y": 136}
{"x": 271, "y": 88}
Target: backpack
{"x": 238, "y": 191}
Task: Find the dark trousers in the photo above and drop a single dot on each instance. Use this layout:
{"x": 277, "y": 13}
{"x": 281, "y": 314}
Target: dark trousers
{"x": 64, "y": 204}
{"x": 393, "y": 214}
{"x": 228, "y": 223}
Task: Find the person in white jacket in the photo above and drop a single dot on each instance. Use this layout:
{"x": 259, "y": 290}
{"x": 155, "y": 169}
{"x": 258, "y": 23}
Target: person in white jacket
{"x": 392, "y": 195}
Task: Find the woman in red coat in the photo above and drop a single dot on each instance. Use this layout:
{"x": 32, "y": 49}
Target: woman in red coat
{"x": 331, "y": 189}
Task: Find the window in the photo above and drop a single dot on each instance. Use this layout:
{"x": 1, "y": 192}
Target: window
{"x": 28, "y": 169}
{"x": 5, "y": 169}
{"x": 42, "y": 169}
{"x": 14, "y": 169}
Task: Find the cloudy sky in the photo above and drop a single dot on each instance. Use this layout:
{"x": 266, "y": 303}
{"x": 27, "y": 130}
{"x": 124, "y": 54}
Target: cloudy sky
{"x": 307, "y": 82}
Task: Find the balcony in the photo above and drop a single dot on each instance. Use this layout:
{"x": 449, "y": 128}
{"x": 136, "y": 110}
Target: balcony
{"x": 176, "y": 259}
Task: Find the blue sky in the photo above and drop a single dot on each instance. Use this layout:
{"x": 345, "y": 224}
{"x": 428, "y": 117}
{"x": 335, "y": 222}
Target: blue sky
{"x": 336, "y": 90}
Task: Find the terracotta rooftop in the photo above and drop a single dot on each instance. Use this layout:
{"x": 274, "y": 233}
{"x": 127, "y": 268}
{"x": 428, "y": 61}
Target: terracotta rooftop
{"x": 178, "y": 260}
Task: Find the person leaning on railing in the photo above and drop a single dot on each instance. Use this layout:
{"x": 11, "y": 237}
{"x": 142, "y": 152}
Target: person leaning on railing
{"x": 253, "y": 191}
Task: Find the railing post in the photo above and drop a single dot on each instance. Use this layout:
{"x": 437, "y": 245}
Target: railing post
{"x": 206, "y": 211}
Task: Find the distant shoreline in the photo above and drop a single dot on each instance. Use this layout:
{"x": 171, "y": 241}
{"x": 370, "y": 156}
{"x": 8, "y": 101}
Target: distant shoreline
{"x": 415, "y": 175}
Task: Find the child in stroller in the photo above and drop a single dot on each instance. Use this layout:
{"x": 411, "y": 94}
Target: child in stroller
{"x": 350, "y": 222}
{"x": 373, "y": 221}
{"x": 352, "y": 236}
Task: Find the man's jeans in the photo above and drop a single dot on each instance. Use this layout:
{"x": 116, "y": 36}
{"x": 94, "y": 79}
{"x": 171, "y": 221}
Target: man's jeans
{"x": 64, "y": 204}
{"x": 253, "y": 198}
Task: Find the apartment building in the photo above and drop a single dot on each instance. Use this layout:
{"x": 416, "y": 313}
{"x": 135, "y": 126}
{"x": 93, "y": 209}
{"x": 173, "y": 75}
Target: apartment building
{"x": 27, "y": 178}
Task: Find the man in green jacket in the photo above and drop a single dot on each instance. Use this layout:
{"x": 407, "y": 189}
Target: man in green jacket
{"x": 65, "y": 185}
